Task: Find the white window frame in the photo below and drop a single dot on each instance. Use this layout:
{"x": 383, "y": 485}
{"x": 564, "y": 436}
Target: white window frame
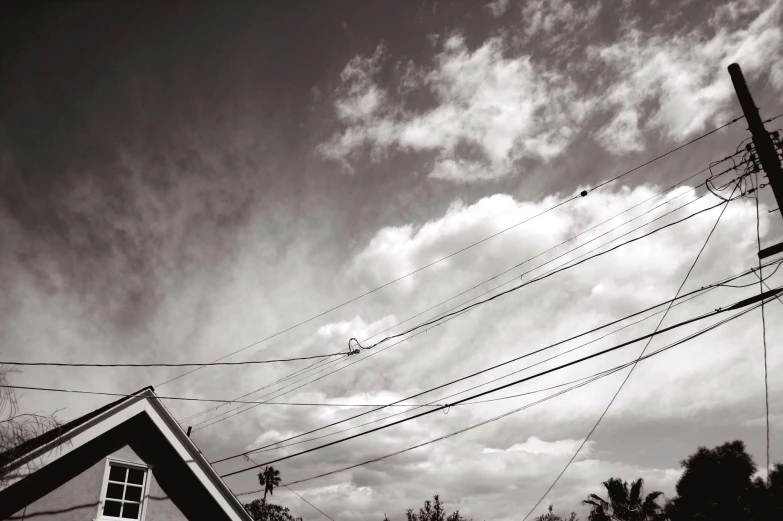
{"x": 105, "y": 482}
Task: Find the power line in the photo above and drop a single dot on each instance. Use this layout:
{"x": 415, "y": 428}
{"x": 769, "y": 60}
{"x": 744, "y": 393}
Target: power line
{"x": 582, "y": 194}
{"x": 495, "y": 380}
{"x": 290, "y": 490}
{"x": 573, "y": 237}
{"x": 189, "y": 399}
{"x": 247, "y": 362}
{"x": 671, "y": 151}
{"x": 448, "y": 316}
{"x": 315, "y": 380}
{"x": 274, "y": 394}
{"x": 576, "y": 236}
{"x": 763, "y": 320}
{"x": 706, "y": 290}
{"x": 588, "y": 380}
{"x": 520, "y": 286}
{"x": 382, "y": 286}
{"x": 310, "y": 368}
{"x": 528, "y": 260}
{"x": 734, "y": 306}
{"x": 773, "y": 119}
{"x": 496, "y": 366}
{"x": 303, "y": 499}
{"x": 563, "y": 267}
{"x": 627, "y": 376}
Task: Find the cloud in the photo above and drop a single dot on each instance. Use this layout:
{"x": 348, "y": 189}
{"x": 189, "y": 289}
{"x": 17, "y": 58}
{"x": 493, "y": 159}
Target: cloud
{"x": 500, "y": 104}
{"x": 361, "y": 97}
{"x": 491, "y": 112}
{"x": 498, "y": 7}
{"x": 682, "y": 78}
{"x": 535, "y": 445}
{"x": 357, "y": 326}
{"x": 556, "y": 21}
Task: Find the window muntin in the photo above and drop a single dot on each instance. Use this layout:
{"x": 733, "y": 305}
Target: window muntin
{"x": 124, "y": 491}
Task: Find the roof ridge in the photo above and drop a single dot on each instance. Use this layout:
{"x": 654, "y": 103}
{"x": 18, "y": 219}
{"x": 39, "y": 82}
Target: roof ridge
{"x": 30, "y": 445}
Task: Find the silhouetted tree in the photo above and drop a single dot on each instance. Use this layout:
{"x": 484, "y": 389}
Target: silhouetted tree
{"x": 262, "y": 511}
{"x": 432, "y": 511}
{"x": 717, "y": 484}
{"x": 269, "y": 478}
{"x": 17, "y": 427}
{"x": 773, "y": 508}
{"x": 624, "y": 504}
{"x": 551, "y": 516}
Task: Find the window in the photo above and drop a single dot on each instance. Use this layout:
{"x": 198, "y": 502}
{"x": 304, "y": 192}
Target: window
{"x": 123, "y": 491}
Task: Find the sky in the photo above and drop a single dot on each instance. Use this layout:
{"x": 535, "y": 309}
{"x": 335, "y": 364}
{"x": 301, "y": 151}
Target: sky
{"x": 180, "y": 181}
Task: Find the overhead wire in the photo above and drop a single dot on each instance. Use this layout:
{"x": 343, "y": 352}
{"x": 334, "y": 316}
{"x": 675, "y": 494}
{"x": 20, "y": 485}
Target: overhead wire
{"x": 627, "y": 376}
{"x": 453, "y": 314}
{"x": 573, "y": 237}
{"x": 536, "y": 279}
{"x": 354, "y": 299}
{"x": 211, "y": 400}
{"x": 546, "y": 251}
{"x": 688, "y": 296}
{"x": 763, "y": 322}
{"x": 562, "y": 267}
{"x": 542, "y": 253}
{"x": 156, "y": 364}
{"x": 303, "y": 499}
{"x": 587, "y": 381}
{"x": 560, "y": 367}
{"x": 312, "y": 369}
{"x": 547, "y": 262}
{"x": 290, "y": 490}
{"x": 706, "y": 290}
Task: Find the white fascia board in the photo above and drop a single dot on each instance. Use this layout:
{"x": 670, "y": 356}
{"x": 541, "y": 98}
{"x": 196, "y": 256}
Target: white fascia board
{"x": 148, "y": 403}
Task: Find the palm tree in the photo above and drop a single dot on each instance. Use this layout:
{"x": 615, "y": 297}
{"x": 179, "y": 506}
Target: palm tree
{"x": 269, "y": 478}
{"x": 624, "y": 504}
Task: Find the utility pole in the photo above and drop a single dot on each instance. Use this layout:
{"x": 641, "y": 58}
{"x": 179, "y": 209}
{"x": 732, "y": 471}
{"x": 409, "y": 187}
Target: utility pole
{"x": 762, "y": 142}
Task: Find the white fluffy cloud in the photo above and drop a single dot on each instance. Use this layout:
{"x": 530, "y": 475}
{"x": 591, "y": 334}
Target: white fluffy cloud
{"x": 498, "y": 7}
{"x": 496, "y": 105}
{"x": 513, "y": 460}
{"x": 685, "y": 74}
{"x": 491, "y": 111}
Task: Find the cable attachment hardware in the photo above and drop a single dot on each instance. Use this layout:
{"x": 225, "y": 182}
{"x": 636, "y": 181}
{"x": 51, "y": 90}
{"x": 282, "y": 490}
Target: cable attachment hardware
{"x": 583, "y": 193}
{"x": 447, "y": 408}
{"x": 354, "y": 347}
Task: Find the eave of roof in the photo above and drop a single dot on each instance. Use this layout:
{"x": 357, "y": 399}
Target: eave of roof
{"x": 32, "y": 444}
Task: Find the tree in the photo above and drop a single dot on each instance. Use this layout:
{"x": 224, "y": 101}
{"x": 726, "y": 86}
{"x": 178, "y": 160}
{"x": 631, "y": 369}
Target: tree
{"x": 717, "y": 484}
{"x": 16, "y": 427}
{"x": 773, "y": 508}
{"x": 263, "y": 511}
{"x": 624, "y": 504}
{"x": 269, "y": 478}
{"x": 432, "y": 511}
{"x": 551, "y": 516}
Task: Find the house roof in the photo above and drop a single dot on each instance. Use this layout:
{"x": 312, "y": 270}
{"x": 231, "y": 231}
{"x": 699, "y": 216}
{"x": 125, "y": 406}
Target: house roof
{"x": 86, "y": 431}
{"x": 32, "y": 444}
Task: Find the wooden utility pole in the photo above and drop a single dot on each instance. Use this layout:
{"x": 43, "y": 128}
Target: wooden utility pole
{"x": 762, "y": 141}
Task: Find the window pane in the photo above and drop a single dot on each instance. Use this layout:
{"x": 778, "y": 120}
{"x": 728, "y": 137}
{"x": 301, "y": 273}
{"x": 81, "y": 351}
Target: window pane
{"x": 132, "y": 493}
{"x": 112, "y": 508}
{"x": 114, "y": 491}
{"x": 117, "y": 473}
{"x": 130, "y": 511}
{"x": 135, "y": 476}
